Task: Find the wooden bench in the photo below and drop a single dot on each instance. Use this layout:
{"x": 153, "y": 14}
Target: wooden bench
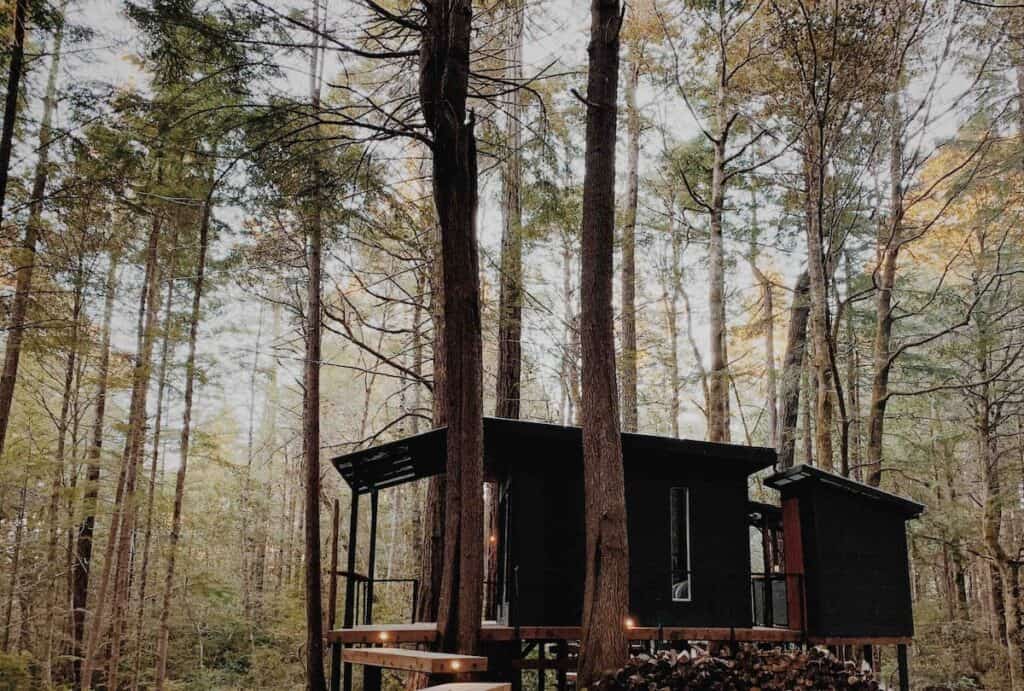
{"x": 374, "y": 660}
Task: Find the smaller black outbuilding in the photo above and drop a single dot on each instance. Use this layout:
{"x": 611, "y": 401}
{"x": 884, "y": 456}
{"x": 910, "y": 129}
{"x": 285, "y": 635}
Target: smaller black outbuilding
{"x": 848, "y": 541}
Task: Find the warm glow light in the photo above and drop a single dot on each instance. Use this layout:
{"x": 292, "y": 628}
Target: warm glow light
{"x": 630, "y": 623}
{"x": 383, "y": 635}
{"x": 455, "y": 664}
{"x": 494, "y": 538}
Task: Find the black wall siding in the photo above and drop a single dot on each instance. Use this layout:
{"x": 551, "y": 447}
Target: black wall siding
{"x": 547, "y": 532}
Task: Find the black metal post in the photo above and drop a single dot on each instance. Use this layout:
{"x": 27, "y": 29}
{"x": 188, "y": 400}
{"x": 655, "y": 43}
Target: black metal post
{"x": 371, "y": 564}
{"x": 904, "y": 668}
{"x": 350, "y": 591}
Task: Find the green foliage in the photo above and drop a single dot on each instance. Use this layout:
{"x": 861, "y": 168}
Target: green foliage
{"x": 16, "y": 673}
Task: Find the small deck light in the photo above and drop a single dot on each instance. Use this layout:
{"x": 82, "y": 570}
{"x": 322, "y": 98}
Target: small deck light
{"x": 383, "y": 635}
{"x": 456, "y": 664}
{"x": 630, "y": 623}
{"x": 494, "y": 538}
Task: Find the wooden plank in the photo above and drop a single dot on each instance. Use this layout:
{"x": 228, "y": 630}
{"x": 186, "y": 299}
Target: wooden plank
{"x": 471, "y": 686}
{"x": 415, "y": 660}
{"x": 491, "y": 633}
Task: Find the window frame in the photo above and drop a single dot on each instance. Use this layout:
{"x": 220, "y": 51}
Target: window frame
{"x": 672, "y": 547}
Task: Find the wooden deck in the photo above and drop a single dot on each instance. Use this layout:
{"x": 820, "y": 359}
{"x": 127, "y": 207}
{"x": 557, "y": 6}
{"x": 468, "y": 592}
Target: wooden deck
{"x": 491, "y": 632}
{"x": 415, "y": 660}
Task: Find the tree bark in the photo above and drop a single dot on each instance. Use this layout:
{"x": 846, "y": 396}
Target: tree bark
{"x": 792, "y": 370}
{"x": 151, "y": 497}
{"x": 53, "y": 604}
{"x": 82, "y": 565}
{"x": 718, "y": 390}
{"x": 603, "y": 643}
{"x": 628, "y": 357}
{"x": 117, "y": 550}
{"x": 889, "y": 243}
{"x": 432, "y": 546}
{"x": 132, "y": 457}
{"x": 817, "y": 268}
{"x": 315, "y": 679}
{"x": 768, "y": 335}
{"x": 163, "y": 630}
{"x": 443, "y": 88}
{"x": 14, "y": 74}
{"x": 35, "y": 213}
{"x": 25, "y": 256}
{"x": 510, "y": 301}
{"x": 12, "y": 585}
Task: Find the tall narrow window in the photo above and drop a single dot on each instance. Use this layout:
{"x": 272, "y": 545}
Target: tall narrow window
{"x": 679, "y": 514}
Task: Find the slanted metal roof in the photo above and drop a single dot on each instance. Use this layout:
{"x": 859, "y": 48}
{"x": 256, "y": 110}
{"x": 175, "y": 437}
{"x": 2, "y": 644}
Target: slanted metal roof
{"x": 423, "y": 455}
{"x": 394, "y": 463}
{"x": 794, "y": 479}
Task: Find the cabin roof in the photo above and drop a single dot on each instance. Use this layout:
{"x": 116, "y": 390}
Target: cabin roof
{"x": 800, "y": 477}
{"x": 423, "y": 455}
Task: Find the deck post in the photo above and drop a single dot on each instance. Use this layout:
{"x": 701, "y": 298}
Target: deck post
{"x": 332, "y": 598}
{"x": 541, "y": 665}
{"x": 372, "y": 562}
{"x": 372, "y": 677}
{"x": 563, "y": 660}
{"x": 904, "y": 667}
{"x": 350, "y": 591}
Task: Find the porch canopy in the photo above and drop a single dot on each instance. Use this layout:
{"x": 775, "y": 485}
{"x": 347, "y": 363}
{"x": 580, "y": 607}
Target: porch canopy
{"x": 423, "y": 455}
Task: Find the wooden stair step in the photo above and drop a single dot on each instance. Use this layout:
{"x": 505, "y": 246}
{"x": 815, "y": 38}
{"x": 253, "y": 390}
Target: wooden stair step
{"x": 415, "y": 660}
{"x": 471, "y": 686}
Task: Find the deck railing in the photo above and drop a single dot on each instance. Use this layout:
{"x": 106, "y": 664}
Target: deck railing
{"x": 770, "y": 599}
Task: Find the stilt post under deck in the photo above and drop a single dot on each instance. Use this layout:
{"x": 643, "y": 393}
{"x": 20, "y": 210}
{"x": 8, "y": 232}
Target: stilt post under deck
{"x": 332, "y": 596}
{"x": 348, "y": 618}
{"x": 372, "y": 562}
{"x": 332, "y": 587}
{"x": 903, "y": 666}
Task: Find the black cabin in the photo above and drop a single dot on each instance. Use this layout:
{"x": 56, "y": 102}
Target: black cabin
{"x": 848, "y": 542}
{"x": 830, "y": 565}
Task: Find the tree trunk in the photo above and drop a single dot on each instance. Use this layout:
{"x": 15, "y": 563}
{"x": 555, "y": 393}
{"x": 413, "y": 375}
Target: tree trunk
{"x": 670, "y": 299}
{"x": 117, "y": 550}
{"x": 510, "y": 301}
{"x": 603, "y": 643}
{"x": 35, "y": 212}
{"x": 315, "y": 679}
{"x": 885, "y": 281}
{"x": 817, "y": 269}
{"x": 53, "y": 604}
{"x": 792, "y": 370}
{"x": 82, "y": 566}
{"x": 186, "y": 435}
{"x": 443, "y": 87}
{"x": 718, "y": 390}
{"x": 132, "y": 458}
{"x": 432, "y": 546}
{"x": 768, "y": 335}
{"x": 12, "y": 585}
{"x": 24, "y": 257}
{"x": 628, "y": 276}
{"x": 14, "y": 74}
{"x": 150, "y": 500}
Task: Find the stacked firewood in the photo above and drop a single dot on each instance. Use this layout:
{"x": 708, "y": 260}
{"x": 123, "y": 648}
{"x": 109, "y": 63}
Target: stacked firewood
{"x": 746, "y": 669}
